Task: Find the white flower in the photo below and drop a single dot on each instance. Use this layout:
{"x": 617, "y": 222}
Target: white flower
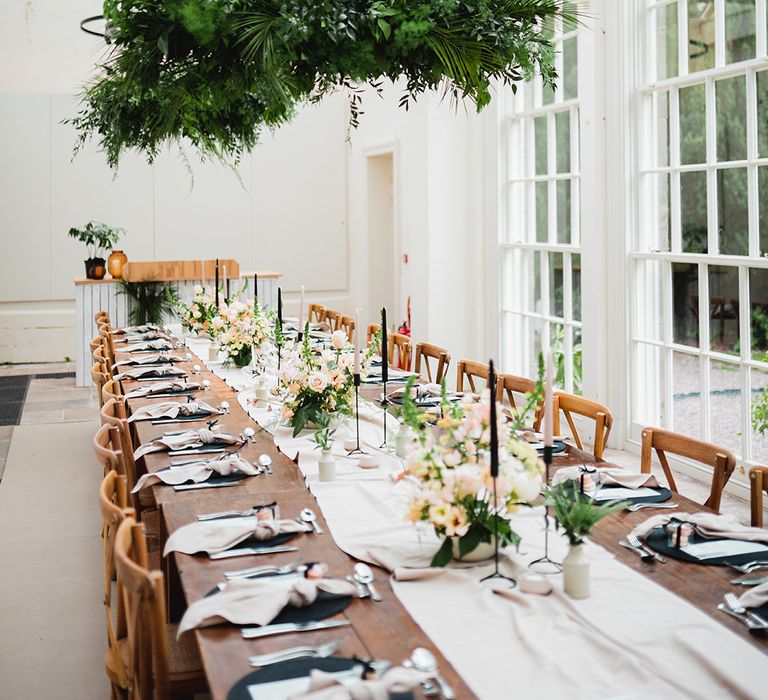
{"x": 197, "y": 290}
{"x": 339, "y": 340}
{"x": 526, "y": 486}
{"x": 317, "y": 382}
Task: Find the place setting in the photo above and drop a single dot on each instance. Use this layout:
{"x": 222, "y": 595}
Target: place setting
{"x": 150, "y": 346}
{"x": 178, "y": 412}
{"x": 164, "y": 390}
{"x": 195, "y": 441}
{"x": 144, "y": 374}
{"x": 151, "y": 360}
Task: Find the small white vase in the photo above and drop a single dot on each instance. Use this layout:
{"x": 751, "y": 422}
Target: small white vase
{"x": 213, "y": 352}
{"x": 576, "y": 572}
{"x": 327, "y": 466}
{"x": 403, "y": 441}
{"x": 483, "y": 551}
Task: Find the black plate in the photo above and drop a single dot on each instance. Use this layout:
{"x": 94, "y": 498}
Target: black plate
{"x": 657, "y": 541}
{"x": 558, "y": 446}
{"x": 288, "y": 669}
{"x": 218, "y": 479}
{"x": 662, "y": 495}
{"x": 428, "y": 402}
{"x": 181, "y": 419}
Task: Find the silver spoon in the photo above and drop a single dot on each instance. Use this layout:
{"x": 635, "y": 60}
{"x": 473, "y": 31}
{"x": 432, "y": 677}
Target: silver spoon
{"x": 424, "y": 661}
{"x": 364, "y": 575}
{"x": 308, "y": 516}
{"x": 266, "y": 461}
{"x": 639, "y": 506}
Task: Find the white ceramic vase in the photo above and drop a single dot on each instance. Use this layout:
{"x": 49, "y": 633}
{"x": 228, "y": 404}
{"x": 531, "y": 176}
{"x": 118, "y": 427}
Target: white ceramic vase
{"x": 483, "y": 551}
{"x": 213, "y": 352}
{"x": 327, "y": 466}
{"x": 576, "y": 572}
{"x": 403, "y": 441}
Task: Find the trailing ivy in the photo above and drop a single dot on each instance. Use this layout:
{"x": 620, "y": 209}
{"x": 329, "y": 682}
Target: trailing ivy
{"x": 217, "y": 73}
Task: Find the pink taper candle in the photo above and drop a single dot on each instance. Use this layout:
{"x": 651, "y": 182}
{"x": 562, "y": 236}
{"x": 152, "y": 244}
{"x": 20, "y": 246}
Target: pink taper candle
{"x": 356, "y": 369}
{"x": 301, "y": 310}
{"x": 548, "y": 407}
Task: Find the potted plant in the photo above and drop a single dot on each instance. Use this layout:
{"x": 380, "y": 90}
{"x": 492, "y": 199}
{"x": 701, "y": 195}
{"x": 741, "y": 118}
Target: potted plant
{"x": 153, "y": 302}
{"x": 577, "y": 514}
{"x": 98, "y": 238}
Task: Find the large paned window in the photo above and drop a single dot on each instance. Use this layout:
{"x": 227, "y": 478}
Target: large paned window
{"x": 699, "y": 265}
{"x": 541, "y": 241}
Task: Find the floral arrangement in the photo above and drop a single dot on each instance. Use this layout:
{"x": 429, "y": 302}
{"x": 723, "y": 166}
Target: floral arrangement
{"x": 454, "y": 492}
{"x": 198, "y": 317}
{"x": 314, "y": 386}
{"x": 242, "y": 328}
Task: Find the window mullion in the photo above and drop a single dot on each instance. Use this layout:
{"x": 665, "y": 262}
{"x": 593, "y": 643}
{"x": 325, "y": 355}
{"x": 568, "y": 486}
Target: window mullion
{"x": 752, "y": 184}
{"x": 704, "y": 369}
{"x": 719, "y": 33}
{"x": 760, "y": 18}
{"x": 682, "y": 44}
{"x": 676, "y": 244}
{"x": 711, "y": 146}
{"x": 745, "y": 347}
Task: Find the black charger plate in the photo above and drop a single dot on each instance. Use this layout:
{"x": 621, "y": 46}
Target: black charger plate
{"x": 657, "y": 541}
{"x": 558, "y": 446}
{"x": 662, "y": 494}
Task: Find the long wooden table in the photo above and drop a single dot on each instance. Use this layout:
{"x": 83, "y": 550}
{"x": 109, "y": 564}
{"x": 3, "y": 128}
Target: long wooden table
{"x": 377, "y": 630}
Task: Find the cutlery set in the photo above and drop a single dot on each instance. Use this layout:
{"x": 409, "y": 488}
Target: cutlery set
{"x": 751, "y": 620}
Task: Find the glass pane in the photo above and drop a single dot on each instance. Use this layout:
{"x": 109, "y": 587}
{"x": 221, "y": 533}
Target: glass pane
{"x": 759, "y": 415}
{"x": 542, "y": 213}
{"x": 535, "y": 335}
{"x": 732, "y": 211}
{"x": 563, "y": 136}
{"x": 701, "y": 35}
{"x": 647, "y": 403}
{"x": 725, "y": 424}
{"x": 563, "y": 211}
{"x": 649, "y": 301}
{"x": 685, "y": 292}
{"x": 576, "y": 280}
{"x": 739, "y": 30}
{"x": 547, "y": 94}
{"x": 693, "y": 124}
{"x": 662, "y": 129}
{"x": 577, "y": 376}
{"x": 762, "y": 189}
{"x": 731, "y": 110}
{"x": 724, "y": 309}
{"x": 557, "y": 346}
{"x": 693, "y": 211}
{"x": 758, "y": 311}
{"x": 516, "y": 218}
{"x": 661, "y": 234}
{"x": 762, "y": 110}
{"x": 540, "y": 140}
{"x": 537, "y": 300}
{"x": 556, "y": 284}
{"x": 686, "y": 394}
{"x": 666, "y": 41}
{"x": 570, "y": 69}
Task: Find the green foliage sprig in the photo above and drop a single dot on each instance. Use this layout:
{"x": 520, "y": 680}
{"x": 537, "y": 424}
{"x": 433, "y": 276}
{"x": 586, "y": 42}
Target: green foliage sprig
{"x": 576, "y": 512}
{"x": 97, "y": 237}
{"x": 217, "y": 73}
{"x": 153, "y": 302}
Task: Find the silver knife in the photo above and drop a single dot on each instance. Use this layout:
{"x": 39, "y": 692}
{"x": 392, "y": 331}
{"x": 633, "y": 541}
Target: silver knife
{"x": 197, "y": 451}
{"x": 267, "y": 630}
{"x": 750, "y": 581}
{"x": 205, "y": 485}
{"x": 246, "y": 551}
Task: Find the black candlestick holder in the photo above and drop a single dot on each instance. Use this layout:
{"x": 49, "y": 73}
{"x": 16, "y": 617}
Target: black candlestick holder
{"x": 545, "y": 564}
{"x": 384, "y": 403}
{"x": 496, "y": 574}
{"x": 358, "y": 450}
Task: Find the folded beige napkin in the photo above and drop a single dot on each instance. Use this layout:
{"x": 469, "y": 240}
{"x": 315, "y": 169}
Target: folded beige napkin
{"x": 418, "y": 390}
{"x": 709, "y": 525}
{"x": 146, "y": 360}
{"x": 607, "y": 476}
{"x": 149, "y": 345}
{"x": 324, "y": 686}
{"x": 144, "y": 328}
{"x": 146, "y": 335}
{"x": 160, "y": 388}
{"x": 151, "y": 372}
{"x": 254, "y": 602}
{"x": 172, "y": 409}
{"x": 214, "y": 536}
{"x": 198, "y": 471}
{"x": 755, "y": 597}
{"x": 187, "y": 440}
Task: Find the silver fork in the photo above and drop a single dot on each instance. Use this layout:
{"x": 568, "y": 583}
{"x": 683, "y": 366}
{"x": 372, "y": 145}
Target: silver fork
{"x": 752, "y": 620}
{"x": 634, "y": 540}
{"x": 318, "y": 652}
{"x": 260, "y": 570}
{"x": 639, "y": 506}
{"x": 750, "y": 566}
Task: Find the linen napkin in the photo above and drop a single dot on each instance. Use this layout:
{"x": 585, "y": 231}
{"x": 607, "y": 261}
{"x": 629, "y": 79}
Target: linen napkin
{"x": 607, "y": 476}
{"x": 141, "y": 337}
{"x": 172, "y": 409}
{"x": 198, "y": 471}
{"x": 710, "y": 525}
{"x": 149, "y": 345}
{"x": 151, "y": 372}
{"x": 160, "y": 388}
{"x": 212, "y": 536}
{"x": 325, "y": 686}
{"x": 187, "y": 440}
{"x": 146, "y": 360}
{"x": 254, "y": 602}
{"x": 419, "y": 390}
{"x": 144, "y": 328}
{"x": 755, "y": 597}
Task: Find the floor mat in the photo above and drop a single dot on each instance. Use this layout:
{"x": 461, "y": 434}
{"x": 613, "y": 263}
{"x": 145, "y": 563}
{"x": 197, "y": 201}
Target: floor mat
{"x": 13, "y": 393}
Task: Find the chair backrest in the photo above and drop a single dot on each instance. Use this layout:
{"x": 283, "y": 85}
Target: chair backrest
{"x": 401, "y": 343}
{"x": 316, "y": 313}
{"x": 96, "y": 342}
{"x": 509, "y": 385}
{"x": 99, "y": 377}
{"x": 100, "y": 316}
{"x": 470, "y": 371}
{"x": 145, "y": 644}
{"x": 571, "y": 404}
{"x": 120, "y": 444}
{"x": 106, "y": 333}
{"x": 107, "y": 446}
{"x": 333, "y": 319}
{"x": 758, "y": 482}
{"x": 662, "y": 441}
{"x": 112, "y": 389}
{"x": 371, "y": 332}
{"x": 426, "y": 351}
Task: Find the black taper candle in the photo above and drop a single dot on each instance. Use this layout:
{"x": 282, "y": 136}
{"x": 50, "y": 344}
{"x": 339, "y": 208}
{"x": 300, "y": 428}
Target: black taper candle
{"x": 217, "y": 283}
{"x": 255, "y": 290}
{"x": 280, "y": 305}
{"x": 226, "y": 282}
{"x": 494, "y": 426}
{"x": 384, "y": 349}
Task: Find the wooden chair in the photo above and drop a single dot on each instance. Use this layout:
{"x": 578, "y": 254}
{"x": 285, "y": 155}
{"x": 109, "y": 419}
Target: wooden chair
{"x": 758, "y": 482}
{"x": 403, "y": 345}
{"x": 347, "y": 324}
{"x": 147, "y": 661}
{"x": 721, "y": 460}
{"x": 316, "y": 313}
{"x": 509, "y": 385}
{"x": 471, "y": 370}
{"x": 371, "y": 332}
{"x": 109, "y": 346}
{"x": 99, "y": 355}
{"x": 427, "y": 351}
{"x": 101, "y": 316}
{"x": 333, "y": 319}
{"x": 571, "y": 404}
{"x": 100, "y": 378}
{"x": 112, "y": 389}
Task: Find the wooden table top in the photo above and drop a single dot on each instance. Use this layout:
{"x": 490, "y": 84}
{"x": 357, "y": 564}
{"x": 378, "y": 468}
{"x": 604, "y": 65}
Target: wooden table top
{"x": 378, "y": 630}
